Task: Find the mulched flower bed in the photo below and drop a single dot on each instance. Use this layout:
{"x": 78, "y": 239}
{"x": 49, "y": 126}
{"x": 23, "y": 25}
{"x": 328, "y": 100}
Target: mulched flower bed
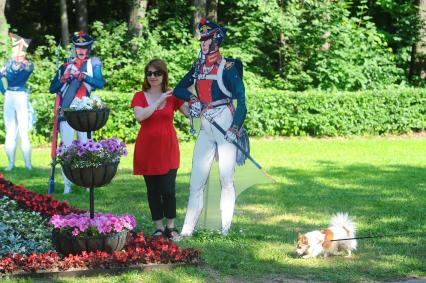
{"x": 138, "y": 249}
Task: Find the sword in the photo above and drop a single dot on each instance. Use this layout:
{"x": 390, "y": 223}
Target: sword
{"x": 217, "y": 126}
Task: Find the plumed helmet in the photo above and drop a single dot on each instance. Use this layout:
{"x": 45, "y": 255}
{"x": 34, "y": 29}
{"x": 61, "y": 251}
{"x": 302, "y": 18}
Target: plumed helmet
{"x": 82, "y": 40}
{"x": 19, "y": 44}
{"x": 209, "y": 29}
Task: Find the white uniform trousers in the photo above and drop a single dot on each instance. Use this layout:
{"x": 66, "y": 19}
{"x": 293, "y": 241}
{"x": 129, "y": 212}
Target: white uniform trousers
{"x": 204, "y": 152}
{"x": 67, "y": 137}
{"x": 16, "y": 121}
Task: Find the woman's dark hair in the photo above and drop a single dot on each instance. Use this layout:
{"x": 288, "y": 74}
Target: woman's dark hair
{"x": 161, "y": 66}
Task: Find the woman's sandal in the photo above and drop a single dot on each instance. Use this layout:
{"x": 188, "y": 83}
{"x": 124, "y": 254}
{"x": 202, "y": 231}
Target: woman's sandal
{"x": 172, "y": 234}
{"x": 158, "y": 233}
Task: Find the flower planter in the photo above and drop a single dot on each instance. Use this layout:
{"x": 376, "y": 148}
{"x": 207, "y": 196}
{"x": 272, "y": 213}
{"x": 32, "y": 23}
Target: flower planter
{"x": 87, "y": 120}
{"x": 66, "y": 244}
{"x": 91, "y": 177}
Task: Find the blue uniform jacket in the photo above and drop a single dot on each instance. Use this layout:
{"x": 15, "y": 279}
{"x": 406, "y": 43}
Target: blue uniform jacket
{"x": 233, "y": 83}
{"x": 97, "y": 81}
{"x": 16, "y": 74}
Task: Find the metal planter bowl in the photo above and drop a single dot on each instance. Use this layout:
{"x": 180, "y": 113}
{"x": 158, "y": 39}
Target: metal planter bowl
{"x": 67, "y": 244}
{"x": 87, "y": 120}
{"x": 91, "y": 177}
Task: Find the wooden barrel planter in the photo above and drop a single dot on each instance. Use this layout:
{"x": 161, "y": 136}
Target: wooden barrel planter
{"x": 87, "y": 120}
{"x": 67, "y": 244}
{"x": 91, "y": 177}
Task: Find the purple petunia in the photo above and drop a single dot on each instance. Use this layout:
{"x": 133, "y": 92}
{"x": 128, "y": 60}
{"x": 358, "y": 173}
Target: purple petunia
{"x": 91, "y": 154}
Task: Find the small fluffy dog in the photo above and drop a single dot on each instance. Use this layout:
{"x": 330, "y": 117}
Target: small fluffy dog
{"x": 315, "y": 243}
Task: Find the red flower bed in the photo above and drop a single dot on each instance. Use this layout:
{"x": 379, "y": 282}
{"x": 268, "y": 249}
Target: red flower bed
{"x": 45, "y": 204}
{"x": 138, "y": 249}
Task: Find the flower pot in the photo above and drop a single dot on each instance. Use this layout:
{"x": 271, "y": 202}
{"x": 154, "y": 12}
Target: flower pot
{"x": 91, "y": 177}
{"x": 67, "y": 244}
{"x": 87, "y": 120}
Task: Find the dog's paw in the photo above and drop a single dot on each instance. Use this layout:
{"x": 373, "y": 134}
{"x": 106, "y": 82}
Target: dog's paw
{"x": 307, "y": 256}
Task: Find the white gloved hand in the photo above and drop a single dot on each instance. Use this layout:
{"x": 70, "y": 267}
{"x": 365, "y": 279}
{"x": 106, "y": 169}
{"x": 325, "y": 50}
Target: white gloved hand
{"x": 195, "y": 108}
{"x": 231, "y": 134}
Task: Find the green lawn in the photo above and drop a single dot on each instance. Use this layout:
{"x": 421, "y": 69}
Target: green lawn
{"x": 380, "y": 182}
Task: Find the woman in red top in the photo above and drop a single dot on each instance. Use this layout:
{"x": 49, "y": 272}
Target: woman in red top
{"x": 156, "y": 155}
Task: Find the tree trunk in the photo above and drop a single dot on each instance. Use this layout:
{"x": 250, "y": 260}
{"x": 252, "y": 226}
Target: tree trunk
{"x": 82, "y": 15}
{"x": 421, "y": 45}
{"x": 3, "y": 29}
{"x": 412, "y": 68}
{"x": 137, "y": 14}
{"x": 64, "y": 24}
{"x": 281, "y": 43}
{"x": 211, "y": 10}
{"x": 418, "y": 51}
{"x": 200, "y": 12}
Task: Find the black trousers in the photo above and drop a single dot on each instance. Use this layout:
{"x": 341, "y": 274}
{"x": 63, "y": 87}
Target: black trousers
{"x": 162, "y": 195}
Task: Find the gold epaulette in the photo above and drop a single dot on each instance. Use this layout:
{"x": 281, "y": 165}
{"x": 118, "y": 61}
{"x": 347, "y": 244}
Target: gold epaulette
{"x": 229, "y": 65}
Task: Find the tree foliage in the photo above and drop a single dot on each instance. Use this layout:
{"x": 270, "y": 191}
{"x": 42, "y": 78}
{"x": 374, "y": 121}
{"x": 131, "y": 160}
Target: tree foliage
{"x": 293, "y": 44}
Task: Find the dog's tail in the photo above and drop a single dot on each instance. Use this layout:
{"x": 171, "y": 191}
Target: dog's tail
{"x": 342, "y": 220}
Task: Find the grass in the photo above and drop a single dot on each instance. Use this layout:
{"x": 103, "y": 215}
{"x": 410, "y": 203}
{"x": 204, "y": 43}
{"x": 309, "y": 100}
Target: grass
{"x": 379, "y": 181}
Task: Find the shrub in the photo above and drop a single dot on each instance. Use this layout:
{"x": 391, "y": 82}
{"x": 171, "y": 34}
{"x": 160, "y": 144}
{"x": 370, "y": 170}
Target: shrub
{"x": 392, "y": 111}
{"x": 328, "y": 48}
{"x": 274, "y": 112}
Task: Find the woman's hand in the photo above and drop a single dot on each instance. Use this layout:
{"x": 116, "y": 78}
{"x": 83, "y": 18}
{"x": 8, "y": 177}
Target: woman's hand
{"x": 163, "y": 97}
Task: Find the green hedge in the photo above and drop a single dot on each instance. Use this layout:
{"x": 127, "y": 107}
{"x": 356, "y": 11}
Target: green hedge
{"x": 274, "y": 112}
{"x": 336, "y": 114}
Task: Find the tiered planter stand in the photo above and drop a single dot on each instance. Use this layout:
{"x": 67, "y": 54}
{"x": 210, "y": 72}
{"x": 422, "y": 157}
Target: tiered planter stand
{"x": 90, "y": 177}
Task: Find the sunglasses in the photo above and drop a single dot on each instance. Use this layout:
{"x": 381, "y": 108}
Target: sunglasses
{"x": 155, "y": 73}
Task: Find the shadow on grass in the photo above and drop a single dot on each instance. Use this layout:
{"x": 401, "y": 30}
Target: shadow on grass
{"x": 383, "y": 201}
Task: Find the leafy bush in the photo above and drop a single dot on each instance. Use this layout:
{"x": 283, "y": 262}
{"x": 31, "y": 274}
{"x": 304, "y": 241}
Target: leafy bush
{"x": 292, "y": 45}
{"x": 312, "y": 113}
{"x": 328, "y": 48}
{"x": 124, "y": 59}
{"x": 275, "y": 112}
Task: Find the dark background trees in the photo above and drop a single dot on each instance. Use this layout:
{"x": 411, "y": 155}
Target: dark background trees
{"x": 285, "y": 44}
{"x": 35, "y": 19}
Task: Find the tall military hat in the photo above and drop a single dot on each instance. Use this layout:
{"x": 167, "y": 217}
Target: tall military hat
{"x": 19, "y": 44}
{"x": 82, "y": 40}
{"x": 209, "y": 29}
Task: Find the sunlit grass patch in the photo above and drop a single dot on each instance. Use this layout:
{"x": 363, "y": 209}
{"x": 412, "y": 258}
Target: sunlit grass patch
{"x": 379, "y": 182}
